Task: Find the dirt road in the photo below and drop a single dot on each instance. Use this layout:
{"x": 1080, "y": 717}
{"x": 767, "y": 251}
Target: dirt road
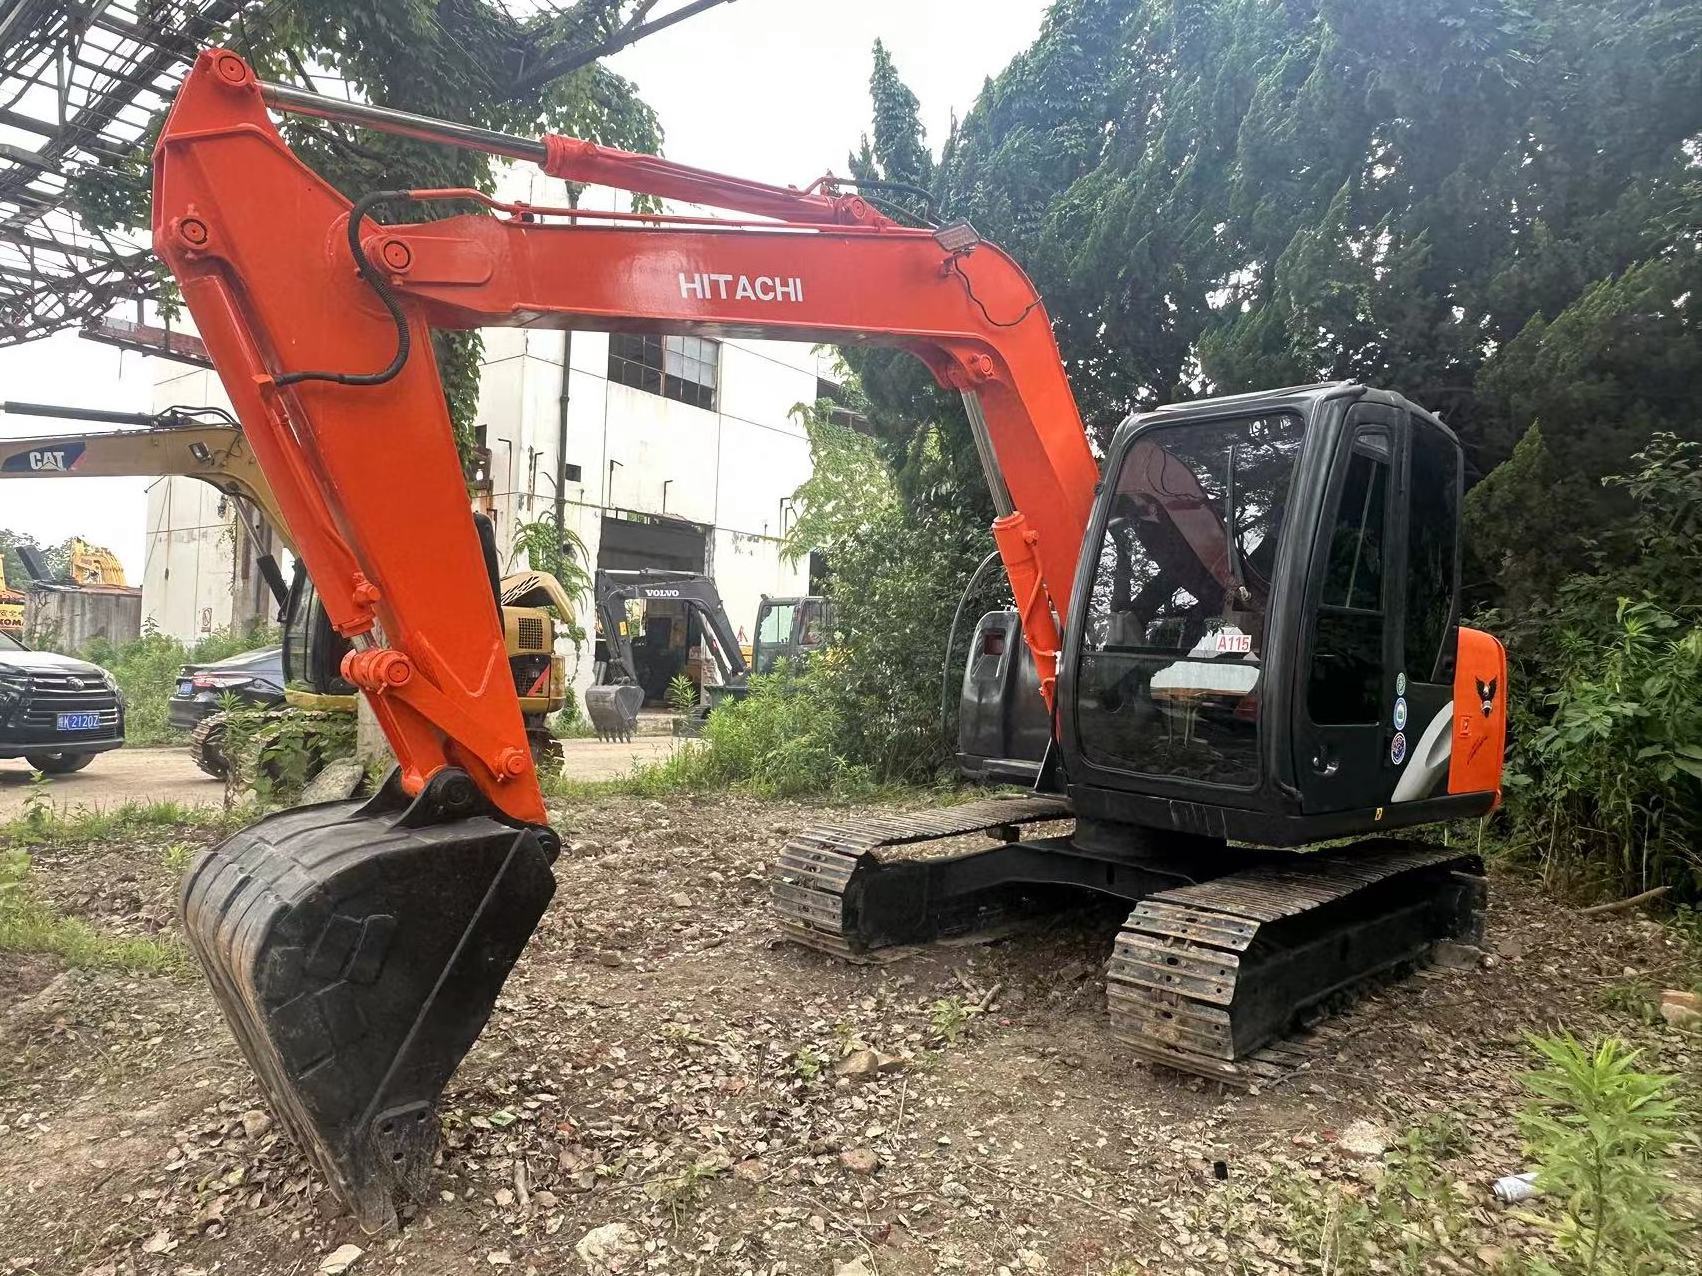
{"x": 168, "y": 775}
{"x": 663, "y": 1070}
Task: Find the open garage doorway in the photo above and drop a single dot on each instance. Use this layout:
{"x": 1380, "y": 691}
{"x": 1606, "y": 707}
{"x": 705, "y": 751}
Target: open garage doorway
{"x": 667, "y": 641}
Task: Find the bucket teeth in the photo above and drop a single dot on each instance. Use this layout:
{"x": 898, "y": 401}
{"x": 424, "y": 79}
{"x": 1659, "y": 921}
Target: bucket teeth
{"x": 613, "y": 710}
{"x": 356, "y": 961}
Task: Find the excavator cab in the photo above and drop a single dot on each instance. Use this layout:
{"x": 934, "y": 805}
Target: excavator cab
{"x": 790, "y": 629}
{"x": 313, "y": 649}
{"x": 1267, "y": 644}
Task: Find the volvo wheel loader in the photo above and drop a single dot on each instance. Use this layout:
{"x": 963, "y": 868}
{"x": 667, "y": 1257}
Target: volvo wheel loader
{"x": 1246, "y": 635}
{"x": 204, "y": 443}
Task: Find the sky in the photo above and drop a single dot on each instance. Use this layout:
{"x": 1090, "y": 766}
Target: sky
{"x": 775, "y": 90}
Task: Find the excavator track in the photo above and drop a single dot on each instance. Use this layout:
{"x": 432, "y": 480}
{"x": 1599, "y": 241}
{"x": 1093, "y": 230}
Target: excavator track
{"x": 815, "y": 884}
{"x": 1211, "y": 978}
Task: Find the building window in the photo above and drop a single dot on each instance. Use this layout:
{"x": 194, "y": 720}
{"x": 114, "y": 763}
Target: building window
{"x": 682, "y": 368}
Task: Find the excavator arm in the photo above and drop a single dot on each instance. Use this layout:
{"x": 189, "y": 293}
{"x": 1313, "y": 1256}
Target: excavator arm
{"x": 357, "y": 952}
{"x": 215, "y": 454}
{"x": 613, "y": 706}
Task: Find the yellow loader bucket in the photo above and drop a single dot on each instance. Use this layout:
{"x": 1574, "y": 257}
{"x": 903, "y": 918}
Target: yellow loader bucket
{"x": 356, "y": 950}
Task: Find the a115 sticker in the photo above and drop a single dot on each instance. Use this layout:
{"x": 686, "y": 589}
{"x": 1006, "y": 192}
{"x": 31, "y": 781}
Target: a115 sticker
{"x": 1400, "y": 713}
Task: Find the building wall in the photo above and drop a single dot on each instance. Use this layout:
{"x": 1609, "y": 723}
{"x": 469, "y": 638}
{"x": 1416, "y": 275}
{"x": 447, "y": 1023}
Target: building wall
{"x": 70, "y": 619}
{"x": 198, "y": 573}
{"x": 730, "y": 472}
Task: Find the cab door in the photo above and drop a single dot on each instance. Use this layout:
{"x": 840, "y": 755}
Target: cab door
{"x": 1374, "y": 725}
{"x": 1346, "y": 684}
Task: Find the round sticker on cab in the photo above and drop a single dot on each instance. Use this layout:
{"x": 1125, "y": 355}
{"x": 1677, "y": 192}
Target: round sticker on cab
{"x": 1398, "y": 748}
{"x": 1400, "y": 713}
{"x": 1401, "y": 683}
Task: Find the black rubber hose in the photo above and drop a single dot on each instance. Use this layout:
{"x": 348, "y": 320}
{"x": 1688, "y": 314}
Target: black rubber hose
{"x": 951, "y": 637}
{"x": 386, "y": 294}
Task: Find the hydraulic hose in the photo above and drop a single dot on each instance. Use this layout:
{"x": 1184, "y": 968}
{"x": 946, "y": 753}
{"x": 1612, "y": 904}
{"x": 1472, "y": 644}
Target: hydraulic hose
{"x": 386, "y": 294}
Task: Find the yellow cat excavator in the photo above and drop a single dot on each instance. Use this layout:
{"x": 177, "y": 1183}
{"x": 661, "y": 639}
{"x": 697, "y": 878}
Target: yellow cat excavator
{"x": 205, "y": 443}
{"x": 1245, "y": 630}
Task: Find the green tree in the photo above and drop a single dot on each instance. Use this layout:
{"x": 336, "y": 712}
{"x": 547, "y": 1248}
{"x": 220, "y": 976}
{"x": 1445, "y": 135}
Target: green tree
{"x": 1221, "y": 194}
{"x": 479, "y": 62}
{"x": 898, "y": 567}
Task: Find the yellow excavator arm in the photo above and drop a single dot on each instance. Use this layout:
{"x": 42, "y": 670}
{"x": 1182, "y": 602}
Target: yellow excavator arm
{"x": 215, "y": 454}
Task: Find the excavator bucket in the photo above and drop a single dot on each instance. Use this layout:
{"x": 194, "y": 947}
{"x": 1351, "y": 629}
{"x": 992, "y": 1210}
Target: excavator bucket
{"x": 614, "y": 710}
{"x": 356, "y": 951}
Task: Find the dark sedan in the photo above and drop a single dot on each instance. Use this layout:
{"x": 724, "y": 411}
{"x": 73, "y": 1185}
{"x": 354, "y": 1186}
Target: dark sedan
{"x": 254, "y": 677}
{"x": 56, "y": 712}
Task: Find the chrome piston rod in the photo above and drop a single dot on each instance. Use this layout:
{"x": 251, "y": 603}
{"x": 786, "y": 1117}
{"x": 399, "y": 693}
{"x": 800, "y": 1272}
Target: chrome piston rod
{"x": 424, "y": 128}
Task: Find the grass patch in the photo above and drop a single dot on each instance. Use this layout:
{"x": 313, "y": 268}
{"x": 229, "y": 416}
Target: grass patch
{"x": 1605, "y": 1139}
{"x": 41, "y": 824}
{"x": 176, "y": 857}
{"x": 780, "y": 741}
{"x": 27, "y": 925}
{"x": 1414, "y": 1212}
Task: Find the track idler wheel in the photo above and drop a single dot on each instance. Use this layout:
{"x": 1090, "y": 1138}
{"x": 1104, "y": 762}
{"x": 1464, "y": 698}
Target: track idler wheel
{"x": 356, "y": 950}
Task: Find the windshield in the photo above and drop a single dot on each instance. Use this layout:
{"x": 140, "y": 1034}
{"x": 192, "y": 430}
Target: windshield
{"x": 9, "y": 643}
{"x": 1175, "y": 624}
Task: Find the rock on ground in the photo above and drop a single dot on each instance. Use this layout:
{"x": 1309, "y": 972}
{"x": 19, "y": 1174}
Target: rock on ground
{"x": 611, "y": 1249}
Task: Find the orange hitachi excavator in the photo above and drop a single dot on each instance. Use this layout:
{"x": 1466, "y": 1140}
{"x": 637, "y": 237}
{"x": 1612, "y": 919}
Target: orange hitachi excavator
{"x": 1247, "y": 637}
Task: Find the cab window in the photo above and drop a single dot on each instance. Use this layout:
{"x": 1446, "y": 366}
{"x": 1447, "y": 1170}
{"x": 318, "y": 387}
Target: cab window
{"x": 1432, "y": 575}
{"x": 1174, "y": 635}
{"x": 1344, "y": 684}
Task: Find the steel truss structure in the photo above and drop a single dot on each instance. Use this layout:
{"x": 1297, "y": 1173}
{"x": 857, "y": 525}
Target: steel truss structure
{"x": 82, "y": 83}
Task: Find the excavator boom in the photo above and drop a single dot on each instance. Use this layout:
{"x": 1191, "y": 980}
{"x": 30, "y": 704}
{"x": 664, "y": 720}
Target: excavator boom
{"x": 215, "y": 454}
{"x": 170, "y": 444}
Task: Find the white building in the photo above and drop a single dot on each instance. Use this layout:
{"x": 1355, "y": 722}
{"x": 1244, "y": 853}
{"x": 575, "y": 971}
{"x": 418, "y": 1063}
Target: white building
{"x": 198, "y": 572}
{"x": 675, "y": 452}
{"x": 670, "y": 452}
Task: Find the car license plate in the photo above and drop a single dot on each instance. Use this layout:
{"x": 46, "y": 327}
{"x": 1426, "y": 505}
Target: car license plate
{"x": 79, "y": 721}
{"x": 186, "y": 688}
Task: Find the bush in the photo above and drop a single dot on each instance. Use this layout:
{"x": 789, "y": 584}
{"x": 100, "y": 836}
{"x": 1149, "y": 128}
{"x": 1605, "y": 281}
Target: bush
{"x": 146, "y": 670}
{"x": 782, "y": 740}
{"x": 899, "y": 566}
{"x": 1605, "y": 780}
{"x": 1601, "y": 1135}
{"x": 275, "y": 752}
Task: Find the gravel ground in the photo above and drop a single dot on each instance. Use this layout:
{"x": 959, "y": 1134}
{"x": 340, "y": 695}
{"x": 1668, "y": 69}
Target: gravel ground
{"x": 666, "y": 1084}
